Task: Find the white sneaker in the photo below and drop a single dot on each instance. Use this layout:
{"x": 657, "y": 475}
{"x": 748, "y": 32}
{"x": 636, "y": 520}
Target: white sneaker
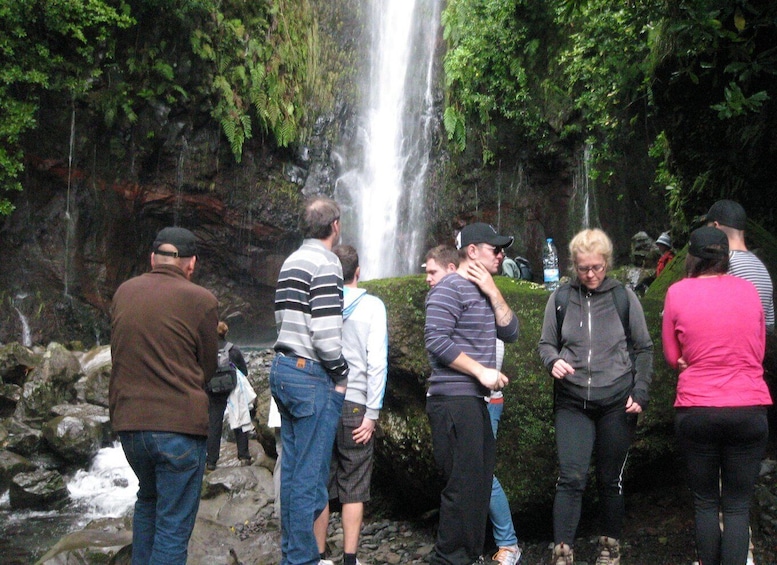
{"x": 326, "y": 562}
{"x": 509, "y": 555}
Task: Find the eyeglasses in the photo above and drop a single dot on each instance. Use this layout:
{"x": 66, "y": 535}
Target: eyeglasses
{"x": 596, "y": 269}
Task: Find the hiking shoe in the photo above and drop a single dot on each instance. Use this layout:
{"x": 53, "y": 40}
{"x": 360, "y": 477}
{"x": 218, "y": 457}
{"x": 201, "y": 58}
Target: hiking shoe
{"x": 245, "y": 462}
{"x": 508, "y": 555}
{"x": 210, "y": 467}
{"x": 562, "y": 555}
{"x": 609, "y": 551}
{"x": 483, "y": 561}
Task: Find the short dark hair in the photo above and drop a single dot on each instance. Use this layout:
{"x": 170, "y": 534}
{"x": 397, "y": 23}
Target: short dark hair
{"x": 349, "y": 259}
{"x": 320, "y": 213}
{"x": 443, "y": 255}
{"x": 696, "y": 266}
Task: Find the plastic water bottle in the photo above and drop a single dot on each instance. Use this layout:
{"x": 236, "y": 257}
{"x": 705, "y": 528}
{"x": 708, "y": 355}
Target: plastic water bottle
{"x": 550, "y": 265}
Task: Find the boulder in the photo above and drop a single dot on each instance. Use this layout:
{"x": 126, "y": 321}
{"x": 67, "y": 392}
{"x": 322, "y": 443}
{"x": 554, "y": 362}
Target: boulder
{"x": 96, "y": 369}
{"x": 96, "y": 414}
{"x": 74, "y": 438}
{"x": 50, "y": 383}
{"x": 40, "y": 489}
{"x": 22, "y": 439}
{"x": 9, "y": 397}
{"x": 16, "y": 361}
{"x": 11, "y": 464}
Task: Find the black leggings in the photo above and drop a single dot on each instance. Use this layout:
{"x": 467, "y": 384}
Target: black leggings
{"x": 723, "y": 448}
{"x": 582, "y": 430}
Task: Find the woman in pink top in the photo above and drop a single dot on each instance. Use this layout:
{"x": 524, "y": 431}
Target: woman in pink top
{"x": 713, "y": 331}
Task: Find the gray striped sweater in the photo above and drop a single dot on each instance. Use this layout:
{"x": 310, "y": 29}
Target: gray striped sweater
{"x": 309, "y": 308}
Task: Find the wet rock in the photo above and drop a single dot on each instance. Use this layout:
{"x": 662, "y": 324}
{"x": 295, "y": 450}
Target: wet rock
{"x": 52, "y": 382}
{"x": 11, "y": 464}
{"x": 39, "y": 489}
{"x": 74, "y": 438}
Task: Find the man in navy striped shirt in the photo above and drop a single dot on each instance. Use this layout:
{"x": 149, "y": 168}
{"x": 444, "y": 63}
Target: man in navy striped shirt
{"x": 465, "y": 314}
{"x": 308, "y": 376}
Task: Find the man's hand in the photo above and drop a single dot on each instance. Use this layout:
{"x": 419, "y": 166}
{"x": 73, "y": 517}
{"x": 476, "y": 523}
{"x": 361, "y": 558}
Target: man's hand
{"x": 493, "y": 379}
{"x": 478, "y": 274}
{"x": 363, "y": 433}
{"x": 682, "y": 364}
{"x": 561, "y": 369}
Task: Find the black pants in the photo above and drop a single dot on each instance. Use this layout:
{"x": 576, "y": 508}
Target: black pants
{"x": 465, "y": 451}
{"x": 581, "y": 430}
{"x": 217, "y": 404}
{"x": 723, "y": 448}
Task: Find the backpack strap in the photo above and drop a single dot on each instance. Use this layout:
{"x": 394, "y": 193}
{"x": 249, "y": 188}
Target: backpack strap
{"x": 561, "y": 301}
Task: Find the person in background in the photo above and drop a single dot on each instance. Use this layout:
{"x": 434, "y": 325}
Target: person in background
{"x": 664, "y": 243}
{"x": 721, "y": 415}
{"x": 440, "y": 261}
{"x": 509, "y": 552}
{"x": 217, "y": 404}
{"x": 465, "y": 314}
{"x": 164, "y": 347}
{"x": 308, "y": 376}
{"x": 598, "y": 391}
{"x": 510, "y": 268}
{"x": 365, "y": 347}
{"x": 730, "y": 218}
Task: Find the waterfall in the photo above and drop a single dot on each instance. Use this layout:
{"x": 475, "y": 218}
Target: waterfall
{"x": 382, "y": 190}
{"x": 108, "y": 488}
{"x": 582, "y": 207}
{"x": 26, "y": 333}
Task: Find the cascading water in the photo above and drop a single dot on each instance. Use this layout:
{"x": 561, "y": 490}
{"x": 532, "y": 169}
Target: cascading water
{"x": 583, "y": 203}
{"x": 383, "y": 189}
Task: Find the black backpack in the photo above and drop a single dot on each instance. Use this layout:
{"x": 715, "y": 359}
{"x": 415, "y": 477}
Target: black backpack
{"x": 225, "y": 378}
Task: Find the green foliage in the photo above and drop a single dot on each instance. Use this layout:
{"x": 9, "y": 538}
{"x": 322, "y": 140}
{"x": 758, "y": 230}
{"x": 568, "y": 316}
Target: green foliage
{"x": 47, "y": 45}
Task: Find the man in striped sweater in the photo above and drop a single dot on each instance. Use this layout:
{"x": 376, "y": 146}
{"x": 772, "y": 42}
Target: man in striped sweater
{"x": 730, "y": 217}
{"x": 465, "y": 314}
{"x": 308, "y": 376}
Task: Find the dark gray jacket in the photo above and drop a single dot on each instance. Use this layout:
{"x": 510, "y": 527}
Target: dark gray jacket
{"x": 593, "y": 341}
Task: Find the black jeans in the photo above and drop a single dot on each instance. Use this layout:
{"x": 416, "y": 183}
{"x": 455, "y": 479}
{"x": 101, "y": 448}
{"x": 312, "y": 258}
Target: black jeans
{"x": 581, "y": 430}
{"x": 465, "y": 451}
{"x": 723, "y": 448}
{"x": 217, "y": 403}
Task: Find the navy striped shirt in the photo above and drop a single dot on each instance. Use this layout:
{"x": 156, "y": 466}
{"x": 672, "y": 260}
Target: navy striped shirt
{"x": 746, "y": 265}
{"x": 459, "y": 319}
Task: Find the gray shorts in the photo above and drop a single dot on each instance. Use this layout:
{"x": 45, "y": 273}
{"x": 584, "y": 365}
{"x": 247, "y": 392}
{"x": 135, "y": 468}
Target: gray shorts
{"x": 351, "y": 469}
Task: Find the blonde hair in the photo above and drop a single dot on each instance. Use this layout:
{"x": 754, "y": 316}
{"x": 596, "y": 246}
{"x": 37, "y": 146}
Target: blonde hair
{"x": 591, "y": 241}
{"x": 222, "y": 329}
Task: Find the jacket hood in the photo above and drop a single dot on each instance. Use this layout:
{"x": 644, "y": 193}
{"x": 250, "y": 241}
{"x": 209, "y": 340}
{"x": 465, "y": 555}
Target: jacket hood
{"x": 351, "y": 298}
{"x": 607, "y": 285}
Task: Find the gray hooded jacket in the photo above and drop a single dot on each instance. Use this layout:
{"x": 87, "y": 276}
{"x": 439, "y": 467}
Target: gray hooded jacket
{"x": 593, "y": 341}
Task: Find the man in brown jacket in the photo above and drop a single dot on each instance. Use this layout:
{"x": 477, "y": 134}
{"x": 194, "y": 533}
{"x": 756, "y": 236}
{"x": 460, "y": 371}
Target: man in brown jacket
{"x": 164, "y": 348}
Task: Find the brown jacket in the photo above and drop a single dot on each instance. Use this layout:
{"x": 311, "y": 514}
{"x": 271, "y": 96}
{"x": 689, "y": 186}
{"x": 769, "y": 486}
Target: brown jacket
{"x": 164, "y": 347}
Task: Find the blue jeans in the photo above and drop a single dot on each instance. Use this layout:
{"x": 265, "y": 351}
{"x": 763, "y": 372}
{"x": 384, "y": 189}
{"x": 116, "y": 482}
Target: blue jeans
{"x": 499, "y": 507}
{"x": 169, "y": 467}
{"x": 723, "y": 448}
{"x": 310, "y": 409}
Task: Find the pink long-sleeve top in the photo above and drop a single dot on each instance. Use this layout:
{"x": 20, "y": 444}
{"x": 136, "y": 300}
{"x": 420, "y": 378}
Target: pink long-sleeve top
{"x": 716, "y": 324}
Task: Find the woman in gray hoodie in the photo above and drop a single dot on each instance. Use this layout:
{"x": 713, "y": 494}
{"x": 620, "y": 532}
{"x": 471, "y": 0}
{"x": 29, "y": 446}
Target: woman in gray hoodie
{"x": 596, "y": 346}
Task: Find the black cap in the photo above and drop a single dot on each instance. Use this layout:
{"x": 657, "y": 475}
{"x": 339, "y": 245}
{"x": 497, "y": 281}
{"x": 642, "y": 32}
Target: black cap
{"x": 184, "y": 241}
{"x": 481, "y": 233}
{"x": 708, "y": 243}
{"x": 728, "y": 213}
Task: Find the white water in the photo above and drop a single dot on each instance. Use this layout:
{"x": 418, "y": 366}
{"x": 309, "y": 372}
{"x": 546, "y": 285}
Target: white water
{"x": 108, "y": 489}
{"x": 582, "y": 203}
{"x": 383, "y": 189}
